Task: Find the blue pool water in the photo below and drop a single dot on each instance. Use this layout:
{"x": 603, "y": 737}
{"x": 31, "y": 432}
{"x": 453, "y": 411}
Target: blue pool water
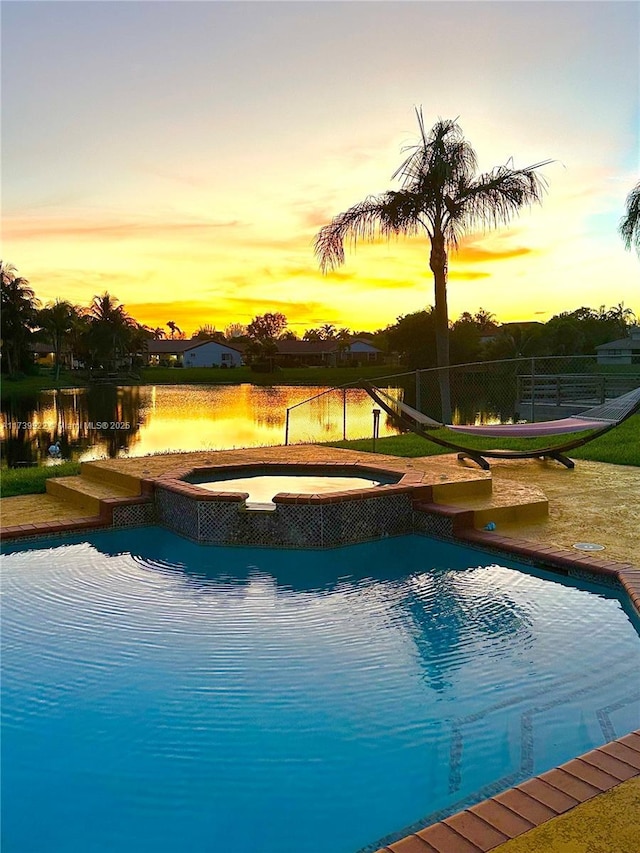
{"x": 160, "y": 695}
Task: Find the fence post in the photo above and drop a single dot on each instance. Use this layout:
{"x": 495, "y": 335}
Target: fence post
{"x": 344, "y": 414}
{"x": 418, "y": 392}
{"x": 533, "y": 389}
{"x": 286, "y": 429}
{"x": 376, "y": 426}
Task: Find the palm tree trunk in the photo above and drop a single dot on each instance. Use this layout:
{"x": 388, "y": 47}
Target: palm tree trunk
{"x": 438, "y": 264}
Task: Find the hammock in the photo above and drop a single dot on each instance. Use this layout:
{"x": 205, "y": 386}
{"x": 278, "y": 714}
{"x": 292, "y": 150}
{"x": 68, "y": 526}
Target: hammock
{"x": 597, "y": 421}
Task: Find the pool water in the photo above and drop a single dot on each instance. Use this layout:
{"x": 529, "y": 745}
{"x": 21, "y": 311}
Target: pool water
{"x": 263, "y": 487}
{"x": 160, "y": 695}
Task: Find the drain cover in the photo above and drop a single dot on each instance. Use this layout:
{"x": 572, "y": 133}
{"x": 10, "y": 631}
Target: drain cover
{"x": 588, "y": 546}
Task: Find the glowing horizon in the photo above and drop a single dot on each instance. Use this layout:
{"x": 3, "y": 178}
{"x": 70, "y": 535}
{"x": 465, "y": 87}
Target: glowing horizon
{"x": 183, "y": 156}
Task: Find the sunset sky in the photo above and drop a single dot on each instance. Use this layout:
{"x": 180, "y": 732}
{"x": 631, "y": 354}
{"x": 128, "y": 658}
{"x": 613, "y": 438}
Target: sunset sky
{"x": 183, "y": 155}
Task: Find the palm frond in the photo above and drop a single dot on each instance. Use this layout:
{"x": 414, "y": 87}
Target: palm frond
{"x": 495, "y": 197}
{"x": 376, "y": 216}
{"x": 440, "y": 160}
{"x": 630, "y": 224}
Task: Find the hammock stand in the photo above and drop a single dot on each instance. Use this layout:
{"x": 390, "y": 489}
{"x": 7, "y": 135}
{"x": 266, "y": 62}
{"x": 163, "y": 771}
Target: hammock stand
{"x": 597, "y": 420}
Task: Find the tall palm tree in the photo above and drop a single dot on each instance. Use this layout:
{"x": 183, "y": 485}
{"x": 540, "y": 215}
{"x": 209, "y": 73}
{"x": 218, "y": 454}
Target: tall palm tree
{"x": 630, "y": 223}
{"x": 18, "y": 307}
{"x": 442, "y": 197}
{"x": 111, "y": 329}
{"x": 57, "y": 321}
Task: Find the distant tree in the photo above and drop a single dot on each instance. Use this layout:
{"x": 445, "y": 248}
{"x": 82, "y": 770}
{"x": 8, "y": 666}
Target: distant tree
{"x": 260, "y": 354}
{"x": 327, "y": 332}
{"x": 208, "y": 333}
{"x": 467, "y": 335}
{"x": 413, "y": 337}
{"x": 312, "y": 335}
{"x": 174, "y": 328}
{"x": 515, "y": 340}
{"x": 579, "y": 332}
{"x": 267, "y": 326}
{"x": 158, "y": 333}
{"x": 630, "y": 223}
{"x": 57, "y": 321}
{"x": 18, "y": 312}
{"x": 138, "y": 343}
{"x": 110, "y": 334}
{"x": 235, "y": 330}
{"x": 442, "y": 197}
{"x": 289, "y": 335}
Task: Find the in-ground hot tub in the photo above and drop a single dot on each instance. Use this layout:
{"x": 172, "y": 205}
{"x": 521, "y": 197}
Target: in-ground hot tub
{"x": 262, "y": 485}
{"x": 316, "y": 505}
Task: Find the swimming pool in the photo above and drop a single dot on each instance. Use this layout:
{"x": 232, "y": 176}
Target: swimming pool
{"x": 162, "y": 695}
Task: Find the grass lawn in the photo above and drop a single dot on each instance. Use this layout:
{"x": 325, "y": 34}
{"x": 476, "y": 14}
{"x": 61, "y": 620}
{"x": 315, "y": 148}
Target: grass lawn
{"x": 329, "y": 376}
{"x": 40, "y": 382}
{"x": 32, "y": 481}
{"x": 620, "y": 446}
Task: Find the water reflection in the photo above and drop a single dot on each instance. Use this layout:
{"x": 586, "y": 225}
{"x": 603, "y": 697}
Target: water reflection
{"x": 110, "y": 421}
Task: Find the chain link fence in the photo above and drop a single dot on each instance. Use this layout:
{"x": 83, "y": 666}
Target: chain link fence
{"x": 506, "y": 391}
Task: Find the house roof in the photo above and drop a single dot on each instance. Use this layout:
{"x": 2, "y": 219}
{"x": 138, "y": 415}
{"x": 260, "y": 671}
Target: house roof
{"x": 174, "y": 347}
{"x": 318, "y": 347}
{"x": 305, "y": 347}
{"x": 621, "y": 344}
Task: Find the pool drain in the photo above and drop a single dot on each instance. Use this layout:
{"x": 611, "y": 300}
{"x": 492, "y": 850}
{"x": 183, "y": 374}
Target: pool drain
{"x": 588, "y": 546}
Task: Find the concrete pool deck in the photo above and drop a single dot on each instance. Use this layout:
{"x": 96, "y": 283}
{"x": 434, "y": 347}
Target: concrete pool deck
{"x": 540, "y": 510}
{"x": 595, "y": 502}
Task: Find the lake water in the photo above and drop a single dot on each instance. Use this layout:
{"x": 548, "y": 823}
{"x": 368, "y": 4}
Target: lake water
{"x": 110, "y": 421}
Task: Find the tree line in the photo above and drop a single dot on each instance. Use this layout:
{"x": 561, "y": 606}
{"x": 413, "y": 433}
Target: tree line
{"x": 105, "y": 336}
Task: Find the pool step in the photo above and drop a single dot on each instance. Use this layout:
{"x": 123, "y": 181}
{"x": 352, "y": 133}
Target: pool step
{"x": 508, "y": 502}
{"x": 85, "y": 493}
{"x": 103, "y": 474}
{"x": 446, "y": 492}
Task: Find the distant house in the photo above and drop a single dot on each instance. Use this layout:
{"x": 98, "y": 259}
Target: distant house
{"x": 622, "y": 351}
{"x": 43, "y": 353}
{"x": 193, "y": 353}
{"x": 328, "y": 353}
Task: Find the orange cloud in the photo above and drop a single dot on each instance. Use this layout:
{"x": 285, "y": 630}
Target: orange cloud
{"x": 471, "y": 254}
{"x": 190, "y": 314}
{"x": 42, "y": 227}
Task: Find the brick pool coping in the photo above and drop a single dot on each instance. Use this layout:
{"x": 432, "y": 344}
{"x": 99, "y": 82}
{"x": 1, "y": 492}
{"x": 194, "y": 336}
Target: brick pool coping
{"x": 502, "y": 817}
{"x": 518, "y": 810}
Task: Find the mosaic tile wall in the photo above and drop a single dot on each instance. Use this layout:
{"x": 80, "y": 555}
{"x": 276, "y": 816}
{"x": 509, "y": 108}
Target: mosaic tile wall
{"x": 177, "y": 512}
{"x": 133, "y": 515}
{"x": 361, "y": 520}
{"x": 288, "y": 525}
{"x": 591, "y": 577}
{"x": 218, "y": 522}
{"x": 433, "y": 525}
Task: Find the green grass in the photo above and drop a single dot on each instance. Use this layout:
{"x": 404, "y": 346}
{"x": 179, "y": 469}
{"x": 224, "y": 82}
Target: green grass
{"x": 32, "y": 481}
{"x": 620, "y": 446}
{"x": 41, "y": 382}
{"x": 329, "y": 376}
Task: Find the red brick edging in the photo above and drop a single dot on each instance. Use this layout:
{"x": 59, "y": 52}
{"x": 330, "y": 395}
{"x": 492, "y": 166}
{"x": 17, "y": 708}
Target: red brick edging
{"x": 486, "y": 825}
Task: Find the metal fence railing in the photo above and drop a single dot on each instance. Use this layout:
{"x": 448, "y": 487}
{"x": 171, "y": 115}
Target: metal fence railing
{"x": 505, "y": 391}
